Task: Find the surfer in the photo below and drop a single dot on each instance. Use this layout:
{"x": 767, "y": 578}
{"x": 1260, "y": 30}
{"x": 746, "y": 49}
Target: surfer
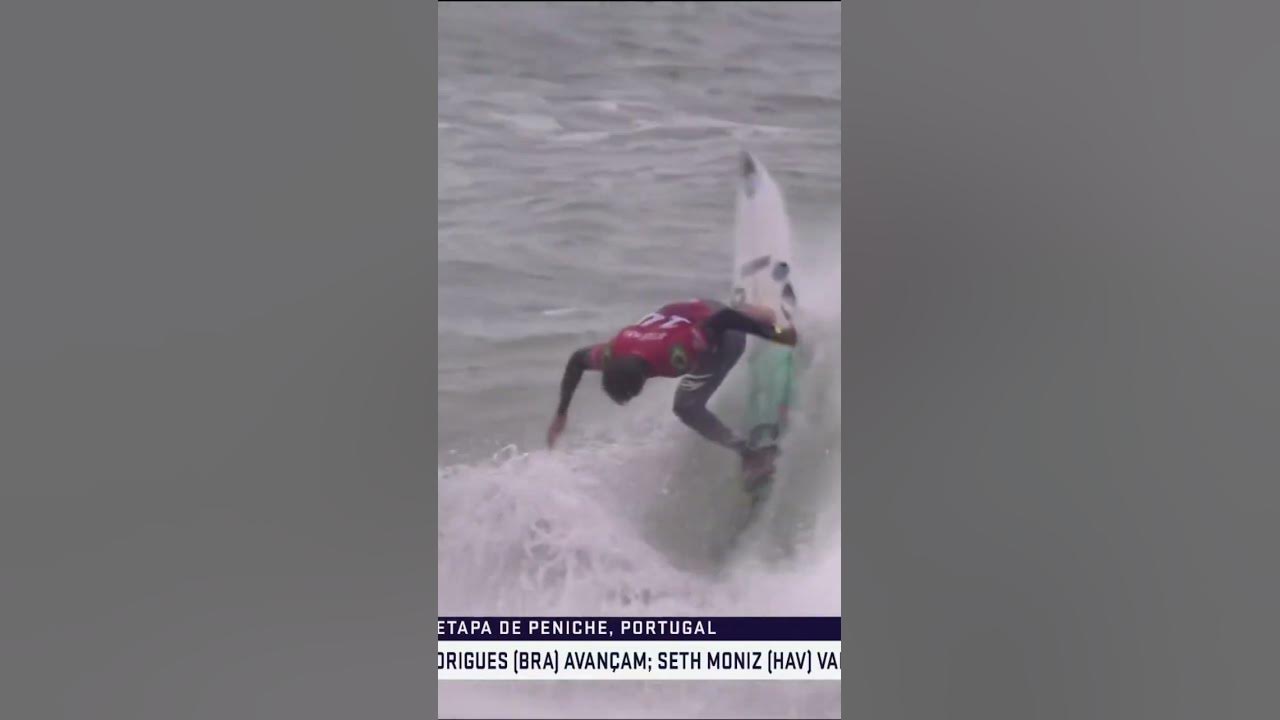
{"x": 698, "y": 341}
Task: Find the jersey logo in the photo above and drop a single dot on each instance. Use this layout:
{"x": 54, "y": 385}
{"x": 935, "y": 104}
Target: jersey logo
{"x": 693, "y": 382}
{"x": 679, "y": 359}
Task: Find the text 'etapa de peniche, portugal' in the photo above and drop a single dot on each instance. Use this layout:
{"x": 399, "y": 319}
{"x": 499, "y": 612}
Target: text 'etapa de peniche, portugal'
{"x": 651, "y": 648}
{"x": 576, "y": 628}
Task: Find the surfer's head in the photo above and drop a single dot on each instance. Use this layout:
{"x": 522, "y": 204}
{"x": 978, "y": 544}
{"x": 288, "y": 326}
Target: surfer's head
{"x": 624, "y": 377}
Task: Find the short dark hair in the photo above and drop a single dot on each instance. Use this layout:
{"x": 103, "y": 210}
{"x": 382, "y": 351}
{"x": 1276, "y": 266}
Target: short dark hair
{"x": 624, "y": 377}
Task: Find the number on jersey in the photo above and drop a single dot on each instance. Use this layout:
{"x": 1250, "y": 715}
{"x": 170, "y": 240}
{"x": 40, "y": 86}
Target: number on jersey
{"x": 655, "y": 318}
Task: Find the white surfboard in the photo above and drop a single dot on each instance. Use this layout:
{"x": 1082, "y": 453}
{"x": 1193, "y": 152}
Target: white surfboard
{"x": 762, "y": 276}
{"x": 762, "y": 243}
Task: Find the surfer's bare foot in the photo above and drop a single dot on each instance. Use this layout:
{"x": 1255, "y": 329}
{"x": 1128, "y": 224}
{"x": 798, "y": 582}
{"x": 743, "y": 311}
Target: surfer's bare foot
{"x": 757, "y": 466}
{"x": 754, "y": 482}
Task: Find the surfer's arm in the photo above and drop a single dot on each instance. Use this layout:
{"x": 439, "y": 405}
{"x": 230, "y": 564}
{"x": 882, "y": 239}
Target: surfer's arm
{"x": 730, "y": 319}
{"x": 695, "y": 391}
{"x": 579, "y": 362}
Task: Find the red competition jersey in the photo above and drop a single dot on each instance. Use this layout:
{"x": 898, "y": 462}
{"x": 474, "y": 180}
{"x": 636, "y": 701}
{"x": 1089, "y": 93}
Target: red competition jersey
{"x": 670, "y": 340}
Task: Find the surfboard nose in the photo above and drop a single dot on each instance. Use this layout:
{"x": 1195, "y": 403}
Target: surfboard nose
{"x": 748, "y": 164}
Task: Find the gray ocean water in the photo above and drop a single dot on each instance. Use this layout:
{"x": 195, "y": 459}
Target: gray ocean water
{"x": 587, "y": 159}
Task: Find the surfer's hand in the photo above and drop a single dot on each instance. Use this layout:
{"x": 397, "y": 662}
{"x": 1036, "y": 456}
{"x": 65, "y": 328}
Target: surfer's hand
{"x": 557, "y": 427}
{"x": 785, "y": 336}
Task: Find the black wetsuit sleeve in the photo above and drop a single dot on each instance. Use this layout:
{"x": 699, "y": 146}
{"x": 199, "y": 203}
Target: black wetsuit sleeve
{"x": 573, "y": 370}
{"x": 730, "y": 319}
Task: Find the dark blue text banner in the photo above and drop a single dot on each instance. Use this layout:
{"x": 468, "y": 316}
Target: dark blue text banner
{"x": 454, "y": 629}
